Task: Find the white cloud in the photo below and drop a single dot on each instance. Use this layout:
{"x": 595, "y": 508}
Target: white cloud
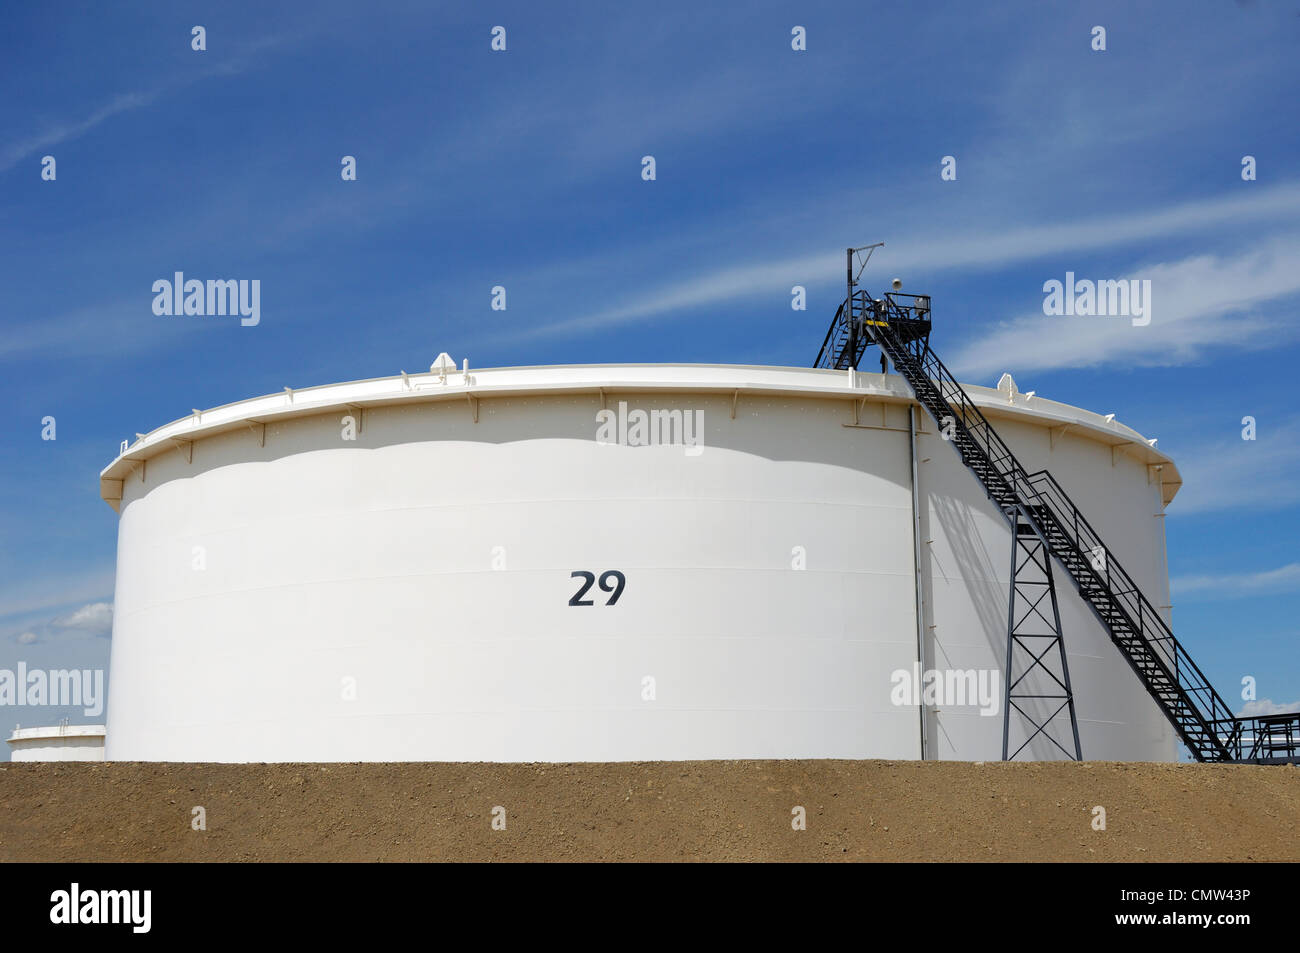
{"x": 50, "y": 594}
{"x": 1011, "y": 245}
{"x": 733, "y": 284}
{"x": 95, "y": 617}
{"x": 1229, "y": 585}
{"x": 1198, "y": 304}
{"x": 240, "y": 60}
{"x": 92, "y": 622}
{"x": 1266, "y": 706}
{"x": 64, "y": 131}
{"x": 1235, "y": 473}
{"x": 106, "y": 329}
{"x": 926, "y": 252}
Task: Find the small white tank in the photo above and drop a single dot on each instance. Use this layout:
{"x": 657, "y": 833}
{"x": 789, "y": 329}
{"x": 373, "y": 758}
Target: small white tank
{"x": 57, "y": 743}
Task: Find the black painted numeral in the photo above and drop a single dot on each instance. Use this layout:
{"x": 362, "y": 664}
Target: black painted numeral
{"x": 577, "y": 599}
{"x": 589, "y": 579}
{"x": 617, "y": 590}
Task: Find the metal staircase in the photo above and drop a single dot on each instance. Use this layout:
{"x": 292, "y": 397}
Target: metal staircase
{"x": 900, "y": 325}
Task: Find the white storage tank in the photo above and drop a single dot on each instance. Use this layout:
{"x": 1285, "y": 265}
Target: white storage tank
{"x": 598, "y": 563}
{"x": 57, "y": 743}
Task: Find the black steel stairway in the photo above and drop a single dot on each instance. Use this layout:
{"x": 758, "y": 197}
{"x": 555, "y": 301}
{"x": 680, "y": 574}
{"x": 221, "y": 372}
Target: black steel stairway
{"x": 899, "y": 325}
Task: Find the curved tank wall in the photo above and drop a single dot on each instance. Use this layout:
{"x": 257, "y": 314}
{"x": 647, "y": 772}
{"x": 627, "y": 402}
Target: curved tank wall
{"x": 385, "y": 570}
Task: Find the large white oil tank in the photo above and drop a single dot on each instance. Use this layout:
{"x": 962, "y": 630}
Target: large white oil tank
{"x": 57, "y": 743}
{"x": 598, "y": 563}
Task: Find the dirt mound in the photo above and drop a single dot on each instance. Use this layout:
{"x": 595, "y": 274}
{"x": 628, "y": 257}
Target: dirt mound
{"x": 660, "y": 811}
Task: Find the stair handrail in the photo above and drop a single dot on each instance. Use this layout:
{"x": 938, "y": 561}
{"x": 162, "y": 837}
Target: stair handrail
{"x": 1015, "y": 476}
{"x": 1198, "y": 685}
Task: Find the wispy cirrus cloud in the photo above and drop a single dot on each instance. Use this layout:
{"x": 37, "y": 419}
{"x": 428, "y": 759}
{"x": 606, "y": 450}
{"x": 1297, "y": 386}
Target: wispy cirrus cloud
{"x": 242, "y": 58}
{"x": 73, "y": 129}
{"x": 1235, "y": 584}
{"x": 1197, "y": 304}
{"x": 55, "y": 596}
{"x": 1267, "y": 265}
{"x": 105, "y": 329}
{"x": 1242, "y": 474}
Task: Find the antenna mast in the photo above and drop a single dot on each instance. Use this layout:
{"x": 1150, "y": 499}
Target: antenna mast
{"x": 852, "y": 278}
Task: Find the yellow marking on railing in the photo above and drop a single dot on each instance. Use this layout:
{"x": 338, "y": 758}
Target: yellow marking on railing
{"x": 879, "y": 324}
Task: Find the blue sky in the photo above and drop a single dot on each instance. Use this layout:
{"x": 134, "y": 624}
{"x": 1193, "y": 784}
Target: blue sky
{"x": 523, "y": 169}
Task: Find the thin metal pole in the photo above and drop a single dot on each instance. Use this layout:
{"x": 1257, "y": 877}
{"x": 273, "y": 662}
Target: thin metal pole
{"x": 1011, "y": 625}
{"x": 848, "y": 305}
{"x": 916, "y": 550}
{"x": 1060, "y": 644}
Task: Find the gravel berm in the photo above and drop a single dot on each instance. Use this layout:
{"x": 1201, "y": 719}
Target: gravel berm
{"x": 650, "y": 811}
